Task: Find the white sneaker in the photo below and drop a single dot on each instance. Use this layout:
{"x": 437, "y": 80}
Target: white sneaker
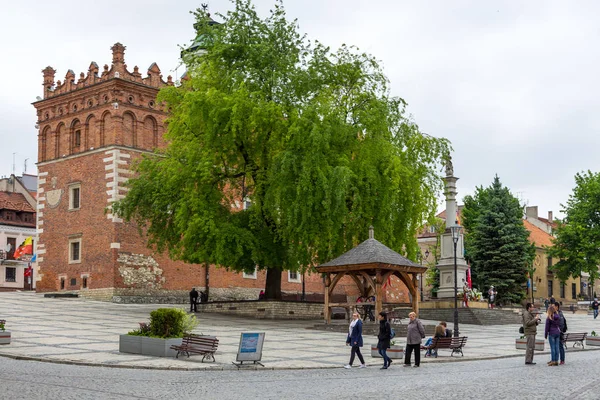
{"x": 363, "y": 366}
{"x": 348, "y": 366}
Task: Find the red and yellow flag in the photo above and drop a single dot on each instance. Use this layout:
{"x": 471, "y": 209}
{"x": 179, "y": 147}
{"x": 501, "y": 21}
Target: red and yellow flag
{"x": 25, "y": 248}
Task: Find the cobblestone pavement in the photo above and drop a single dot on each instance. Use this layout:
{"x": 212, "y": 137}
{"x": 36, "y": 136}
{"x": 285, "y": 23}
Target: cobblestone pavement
{"x": 506, "y": 378}
{"x": 79, "y": 331}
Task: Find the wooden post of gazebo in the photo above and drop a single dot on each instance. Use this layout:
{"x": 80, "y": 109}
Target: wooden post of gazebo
{"x": 415, "y": 294}
{"x": 326, "y": 309}
{"x": 378, "y": 293}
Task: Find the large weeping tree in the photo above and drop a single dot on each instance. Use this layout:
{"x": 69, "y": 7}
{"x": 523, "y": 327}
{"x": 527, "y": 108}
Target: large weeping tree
{"x": 497, "y": 242}
{"x": 309, "y": 138}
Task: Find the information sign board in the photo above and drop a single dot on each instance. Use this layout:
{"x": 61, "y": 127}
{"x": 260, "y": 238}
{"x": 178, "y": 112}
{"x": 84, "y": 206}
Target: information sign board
{"x": 250, "y": 348}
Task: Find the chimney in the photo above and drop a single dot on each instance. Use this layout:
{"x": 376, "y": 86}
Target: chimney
{"x": 550, "y": 216}
{"x": 531, "y": 212}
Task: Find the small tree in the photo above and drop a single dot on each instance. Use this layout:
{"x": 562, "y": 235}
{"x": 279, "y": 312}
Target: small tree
{"x": 577, "y": 238}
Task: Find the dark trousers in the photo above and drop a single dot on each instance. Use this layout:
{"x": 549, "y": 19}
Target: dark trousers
{"x": 356, "y": 351}
{"x": 193, "y": 306}
{"x": 409, "y": 350}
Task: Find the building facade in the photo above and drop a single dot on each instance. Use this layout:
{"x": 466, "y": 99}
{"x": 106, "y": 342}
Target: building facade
{"x": 91, "y": 129}
{"x": 17, "y": 223}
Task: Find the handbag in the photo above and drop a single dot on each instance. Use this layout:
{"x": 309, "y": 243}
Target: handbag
{"x": 521, "y": 330}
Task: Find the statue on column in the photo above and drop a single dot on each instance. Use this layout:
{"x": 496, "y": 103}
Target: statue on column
{"x": 449, "y": 167}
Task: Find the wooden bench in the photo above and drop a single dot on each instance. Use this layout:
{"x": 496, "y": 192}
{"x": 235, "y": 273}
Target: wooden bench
{"x": 454, "y": 343}
{"x": 394, "y": 317}
{"x": 198, "y": 344}
{"x": 577, "y": 338}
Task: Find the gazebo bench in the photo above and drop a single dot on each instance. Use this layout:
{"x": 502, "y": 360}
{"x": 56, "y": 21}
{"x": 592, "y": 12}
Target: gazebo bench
{"x": 576, "y": 338}
{"x": 454, "y": 343}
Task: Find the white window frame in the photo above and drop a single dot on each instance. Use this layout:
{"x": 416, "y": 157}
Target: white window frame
{"x": 298, "y": 278}
{"x": 252, "y": 275}
{"x": 72, "y": 187}
{"x": 246, "y": 203}
{"x": 71, "y": 242}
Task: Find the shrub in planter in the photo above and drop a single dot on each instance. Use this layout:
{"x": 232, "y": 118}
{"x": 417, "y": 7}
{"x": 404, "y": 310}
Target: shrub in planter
{"x": 167, "y": 323}
{"x": 4, "y": 334}
{"x": 166, "y": 328}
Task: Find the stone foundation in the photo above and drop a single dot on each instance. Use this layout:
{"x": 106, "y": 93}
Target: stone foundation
{"x": 266, "y": 309}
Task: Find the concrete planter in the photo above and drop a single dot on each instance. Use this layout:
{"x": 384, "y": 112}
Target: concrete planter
{"x": 521, "y": 344}
{"x": 5, "y": 337}
{"x": 592, "y": 341}
{"x": 394, "y": 352}
{"x": 148, "y": 346}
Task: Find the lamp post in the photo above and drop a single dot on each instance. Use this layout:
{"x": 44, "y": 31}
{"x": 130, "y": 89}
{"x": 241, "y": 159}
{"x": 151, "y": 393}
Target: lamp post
{"x": 455, "y": 229}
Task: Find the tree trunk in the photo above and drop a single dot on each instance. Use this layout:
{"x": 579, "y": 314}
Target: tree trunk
{"x": 273, "y": 285}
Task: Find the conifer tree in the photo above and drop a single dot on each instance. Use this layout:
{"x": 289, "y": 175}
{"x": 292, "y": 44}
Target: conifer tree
{"x": 497, "y": 242}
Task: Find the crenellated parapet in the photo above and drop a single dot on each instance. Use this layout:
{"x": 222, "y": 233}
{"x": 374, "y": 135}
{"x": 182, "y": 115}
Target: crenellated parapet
{"x": 117, "y": 70}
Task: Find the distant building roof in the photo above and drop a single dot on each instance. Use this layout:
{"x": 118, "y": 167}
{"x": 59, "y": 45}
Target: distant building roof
{"x": 537, "y": 236}
{"x": 29, "y": 181}
{"x": 14, "y": 202}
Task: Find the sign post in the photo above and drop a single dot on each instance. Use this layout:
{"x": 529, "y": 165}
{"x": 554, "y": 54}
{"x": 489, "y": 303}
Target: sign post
{"x": 250, "y": 348}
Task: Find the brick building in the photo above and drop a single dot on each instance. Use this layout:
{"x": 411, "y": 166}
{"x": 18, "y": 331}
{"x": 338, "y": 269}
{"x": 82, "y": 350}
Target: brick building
{"x": 91, "y": 128}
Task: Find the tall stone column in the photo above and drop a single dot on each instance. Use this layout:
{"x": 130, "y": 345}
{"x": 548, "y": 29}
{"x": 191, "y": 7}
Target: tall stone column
{"x": 446, "y": 262}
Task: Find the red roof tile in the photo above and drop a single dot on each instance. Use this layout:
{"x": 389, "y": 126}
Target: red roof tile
{"x": 14, "y": 202}
{"x": 537, "y": 236}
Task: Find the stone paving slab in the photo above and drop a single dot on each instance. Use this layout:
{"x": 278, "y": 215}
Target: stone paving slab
{"x": 86, "y": 332}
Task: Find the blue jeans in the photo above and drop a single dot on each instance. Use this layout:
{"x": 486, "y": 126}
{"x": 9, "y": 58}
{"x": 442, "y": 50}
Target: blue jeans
{"x": 554, "y": 347}
{"x": 561, "y": 348}
{"x": 386, "y": 359}
{"x": 595, "y": 314}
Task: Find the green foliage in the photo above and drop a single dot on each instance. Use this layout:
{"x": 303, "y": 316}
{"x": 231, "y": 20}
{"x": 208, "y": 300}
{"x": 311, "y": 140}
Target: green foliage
{"x": 310, "y": 136}
{"x": 2, "y": 326}
{"x": 167, "y": 323}
{"x": 496, "y": 242}
{"x": 578, "y": 235}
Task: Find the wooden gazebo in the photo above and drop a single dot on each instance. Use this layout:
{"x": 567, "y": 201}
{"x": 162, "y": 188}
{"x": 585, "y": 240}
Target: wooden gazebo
{"x": 370, "y": 264}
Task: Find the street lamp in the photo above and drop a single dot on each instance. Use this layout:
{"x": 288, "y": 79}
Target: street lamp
{"x": 455, "y": 229}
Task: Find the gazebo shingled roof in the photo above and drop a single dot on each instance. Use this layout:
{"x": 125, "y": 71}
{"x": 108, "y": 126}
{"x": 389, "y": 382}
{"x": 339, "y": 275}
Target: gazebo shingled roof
{"x": 371, "y": 252}
{"x": 370, "y": 264}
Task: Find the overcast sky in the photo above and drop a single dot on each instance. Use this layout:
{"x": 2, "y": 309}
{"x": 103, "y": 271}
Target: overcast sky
{"x": 514, "y": 85}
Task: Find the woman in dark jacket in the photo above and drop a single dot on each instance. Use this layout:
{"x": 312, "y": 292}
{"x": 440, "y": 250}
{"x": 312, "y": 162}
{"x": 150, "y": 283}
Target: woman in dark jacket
{"x": 384, "y": 336}
{"x": 355, "y": 340}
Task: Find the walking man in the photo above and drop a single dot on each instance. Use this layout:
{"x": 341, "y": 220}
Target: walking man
{"x": 530, "y": 323}
{"x": 595, "y": 308}
{"x": 193, "y": 300}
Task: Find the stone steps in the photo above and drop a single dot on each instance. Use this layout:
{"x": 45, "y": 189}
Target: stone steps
{"x": 473, "y": 316}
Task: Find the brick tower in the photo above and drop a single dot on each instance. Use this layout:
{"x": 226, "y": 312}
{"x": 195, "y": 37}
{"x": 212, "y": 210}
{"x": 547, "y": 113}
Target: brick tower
{"x": 90, "y": 130}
